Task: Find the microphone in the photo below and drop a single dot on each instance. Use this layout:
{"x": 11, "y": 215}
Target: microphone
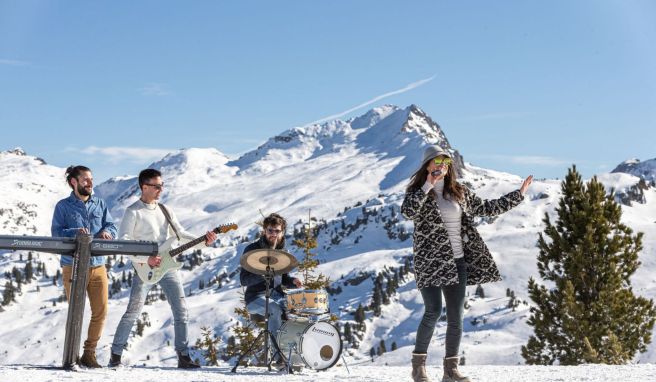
{"x": 436, "y": 173}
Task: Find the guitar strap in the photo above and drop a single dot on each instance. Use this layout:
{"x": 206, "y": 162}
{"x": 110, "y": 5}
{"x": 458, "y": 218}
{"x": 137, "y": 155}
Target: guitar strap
{"x": 168, "y": 219}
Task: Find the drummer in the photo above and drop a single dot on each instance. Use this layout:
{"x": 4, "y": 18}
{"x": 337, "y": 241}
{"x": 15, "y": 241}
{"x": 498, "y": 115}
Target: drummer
{"x": 273, "y": 236}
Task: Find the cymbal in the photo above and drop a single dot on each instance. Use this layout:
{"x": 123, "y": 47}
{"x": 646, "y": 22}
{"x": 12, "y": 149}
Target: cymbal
{"x": 278, "y": 261}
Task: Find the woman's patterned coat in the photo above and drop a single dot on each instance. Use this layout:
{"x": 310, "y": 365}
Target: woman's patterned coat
{"x": 433, "y": 254}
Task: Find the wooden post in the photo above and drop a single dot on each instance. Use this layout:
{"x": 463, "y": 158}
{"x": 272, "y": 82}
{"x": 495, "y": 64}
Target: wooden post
{"x": 77, "y": 299}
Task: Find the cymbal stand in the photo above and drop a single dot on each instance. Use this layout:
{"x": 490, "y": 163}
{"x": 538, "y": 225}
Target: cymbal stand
{"x": 266, "y": 332}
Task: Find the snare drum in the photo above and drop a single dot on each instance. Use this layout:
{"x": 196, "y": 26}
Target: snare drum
{"x": 307, "y": 301}
{"x": 316, "y": 345}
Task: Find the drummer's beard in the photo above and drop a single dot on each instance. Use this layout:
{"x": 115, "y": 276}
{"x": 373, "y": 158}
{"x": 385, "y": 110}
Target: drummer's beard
{"x": 274, "y": 244}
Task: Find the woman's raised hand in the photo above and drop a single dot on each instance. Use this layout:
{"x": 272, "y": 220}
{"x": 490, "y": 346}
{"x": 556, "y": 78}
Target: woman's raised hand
{"x": 527, "y": 182}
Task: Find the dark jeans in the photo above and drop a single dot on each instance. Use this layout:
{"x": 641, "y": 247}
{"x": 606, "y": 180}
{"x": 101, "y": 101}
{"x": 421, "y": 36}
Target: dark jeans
{"x": 454, "y": 295}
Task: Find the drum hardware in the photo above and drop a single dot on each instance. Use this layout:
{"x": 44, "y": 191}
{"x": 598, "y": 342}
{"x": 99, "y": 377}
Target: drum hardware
{"x": 292, "y": 346}
{"x": 311, "y": 318}
{"x": 267, "y": 263}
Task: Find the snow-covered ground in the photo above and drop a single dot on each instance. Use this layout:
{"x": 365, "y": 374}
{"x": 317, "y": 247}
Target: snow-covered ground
{"x": 587, "y": 373}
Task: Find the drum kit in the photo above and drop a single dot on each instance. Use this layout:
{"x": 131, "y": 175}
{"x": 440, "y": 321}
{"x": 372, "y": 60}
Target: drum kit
{"x": 307, "y": 338}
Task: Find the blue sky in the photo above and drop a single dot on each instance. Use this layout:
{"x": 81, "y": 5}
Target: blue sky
{"x": 518, "y": 86}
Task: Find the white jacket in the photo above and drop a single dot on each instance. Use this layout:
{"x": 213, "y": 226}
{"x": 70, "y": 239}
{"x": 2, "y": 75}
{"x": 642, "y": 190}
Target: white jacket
{"x": 143, "y": 221}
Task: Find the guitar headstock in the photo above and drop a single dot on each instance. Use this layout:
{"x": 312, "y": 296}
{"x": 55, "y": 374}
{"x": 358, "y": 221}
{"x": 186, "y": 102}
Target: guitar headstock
{"x": 225, "y": 228}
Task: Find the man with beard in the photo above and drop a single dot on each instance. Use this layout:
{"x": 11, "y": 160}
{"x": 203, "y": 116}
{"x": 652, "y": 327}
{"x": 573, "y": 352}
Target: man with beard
{"x": 273, "y": 236}
{"x": 85, "y": 213}
{"x": 146, "y": 219}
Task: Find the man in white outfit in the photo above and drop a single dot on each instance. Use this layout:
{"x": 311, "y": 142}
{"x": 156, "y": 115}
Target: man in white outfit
{"x": 145, "y": 219}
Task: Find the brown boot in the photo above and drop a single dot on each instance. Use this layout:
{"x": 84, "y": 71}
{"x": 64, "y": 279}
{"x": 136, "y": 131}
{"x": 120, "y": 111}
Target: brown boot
{"x": 419, "y": 368}
{"x": 451, "y": 373}
{"x": 88, "y": 359}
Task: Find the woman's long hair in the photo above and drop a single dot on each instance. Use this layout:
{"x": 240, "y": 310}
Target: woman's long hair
{"x": 452, "y": 188}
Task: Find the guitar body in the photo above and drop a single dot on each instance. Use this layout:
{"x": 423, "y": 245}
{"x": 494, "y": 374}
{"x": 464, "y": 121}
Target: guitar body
{"x": 150, "y": 275}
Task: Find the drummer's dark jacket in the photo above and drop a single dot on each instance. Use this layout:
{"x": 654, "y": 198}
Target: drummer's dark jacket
{"x": 255, "y": 284}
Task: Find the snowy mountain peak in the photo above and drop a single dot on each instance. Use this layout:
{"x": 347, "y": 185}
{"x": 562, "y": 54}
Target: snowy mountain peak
{"x": 294, "y": 145}
{"x": 19, "y": 152}
{"x": 185, "y": 158}
{"x": 16, "y": 151}
{"x": 421, "y": 123}
{"x": 387, "y": 130}
{"x": 645, "y": 170}
{"x": 372, "y": 117}
{"x": 183, "y": 172}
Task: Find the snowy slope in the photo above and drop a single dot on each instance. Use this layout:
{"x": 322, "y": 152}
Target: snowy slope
{"x": 320, "y": 167}
{"x": 30, "y": 189}
{"x": 351, "y": 174}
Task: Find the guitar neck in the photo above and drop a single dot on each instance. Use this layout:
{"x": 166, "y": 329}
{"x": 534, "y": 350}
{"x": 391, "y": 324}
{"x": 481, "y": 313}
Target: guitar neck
{"x": 220, "y": 229}
{"x": 184, "y": 247}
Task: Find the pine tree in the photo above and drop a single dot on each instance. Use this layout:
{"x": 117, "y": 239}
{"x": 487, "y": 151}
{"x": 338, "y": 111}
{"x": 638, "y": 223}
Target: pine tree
{"x": 386, "y": 299}
{"x": 512, "y": 301}
{"x": 307, "y": 266}
{"x": 591, "y": 314}
{"x": 140, "y": 327}
{"x": 18, "y": 275}
{"x": 394, "y": 346}
{"x": 359, "y": 314}
{"x": 389, "y": 288}
{"x": 142, "y": 323}
{"x": 208, "y": 345}
{"x": 348, "y": 334}
{"x": 9, "y": 293}
{"x": 29, "y": 271}
{"x": 376, "y": 300}
{"x": 479, "y": 291}
{"x": 382, "y": 349}
{"x": 244, "y": 338}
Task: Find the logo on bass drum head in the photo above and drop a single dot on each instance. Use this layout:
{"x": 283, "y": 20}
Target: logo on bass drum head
{"x": 325, "y": 333}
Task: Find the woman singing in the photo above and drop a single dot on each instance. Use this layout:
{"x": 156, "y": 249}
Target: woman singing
{"x": 449, "y": 253}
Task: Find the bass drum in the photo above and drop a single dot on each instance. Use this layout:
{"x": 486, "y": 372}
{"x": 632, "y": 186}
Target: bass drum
{"x": 317, "y": 344}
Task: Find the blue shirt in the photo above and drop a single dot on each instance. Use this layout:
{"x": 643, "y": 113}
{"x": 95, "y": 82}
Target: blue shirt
{"x": 71, "y": 214}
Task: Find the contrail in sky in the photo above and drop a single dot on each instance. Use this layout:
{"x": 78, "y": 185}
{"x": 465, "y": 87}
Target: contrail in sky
{"x": 375, "y": 99}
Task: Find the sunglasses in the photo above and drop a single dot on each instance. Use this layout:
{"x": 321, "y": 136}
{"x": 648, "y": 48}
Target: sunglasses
{"x": 272, "y": 231}
{"x": 157, "y": 186}
{"x": 439, "y": 161}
